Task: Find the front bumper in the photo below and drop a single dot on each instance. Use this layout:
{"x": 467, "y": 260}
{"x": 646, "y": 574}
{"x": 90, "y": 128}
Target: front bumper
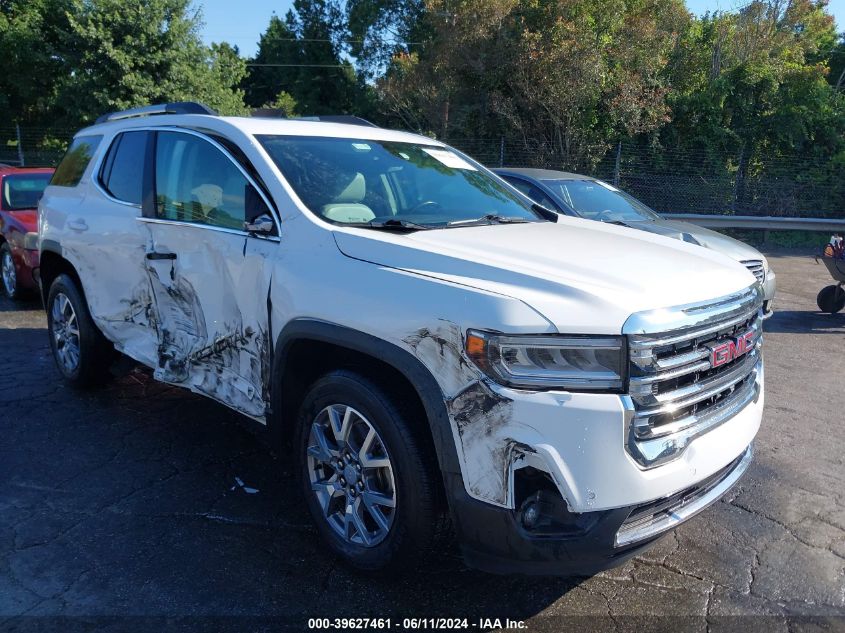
{"x": 495, "y": 539}
{"x": 577, "y": 442}
{"x": 26, "y": 263}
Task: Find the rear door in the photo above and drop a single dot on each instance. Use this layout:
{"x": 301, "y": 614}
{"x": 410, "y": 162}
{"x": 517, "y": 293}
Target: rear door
{"x": 94, "y": 216}
{"x": 210, "y": 278}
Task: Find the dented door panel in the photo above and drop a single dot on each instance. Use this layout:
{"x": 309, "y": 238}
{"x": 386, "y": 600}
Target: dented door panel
{"x": 109, "y": 256}
{"x": 210, "y": 290}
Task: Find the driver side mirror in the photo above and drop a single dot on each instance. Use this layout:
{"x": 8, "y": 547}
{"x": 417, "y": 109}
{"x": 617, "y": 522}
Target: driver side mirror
{"x": 258, "y": 217}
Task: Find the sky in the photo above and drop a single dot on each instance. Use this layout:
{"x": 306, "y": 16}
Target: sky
{"x": 241, "y": 22}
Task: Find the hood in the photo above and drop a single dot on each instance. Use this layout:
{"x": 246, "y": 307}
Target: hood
{"x": 583, "y": 276}
{"x": 709, "y": 239}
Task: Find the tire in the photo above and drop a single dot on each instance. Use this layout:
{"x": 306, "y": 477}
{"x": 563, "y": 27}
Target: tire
{"x": 831, "y": 299}
{"x": 8, "y": 274}
{"x": 406, "y": 531}
{"x": 83, "y": 355}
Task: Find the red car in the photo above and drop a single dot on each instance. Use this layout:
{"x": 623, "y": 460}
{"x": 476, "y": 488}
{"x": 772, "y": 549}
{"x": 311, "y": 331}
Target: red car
{"x": 20, "y": 191}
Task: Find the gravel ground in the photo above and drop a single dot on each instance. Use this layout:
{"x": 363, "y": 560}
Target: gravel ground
{"x": 121, "y": 509}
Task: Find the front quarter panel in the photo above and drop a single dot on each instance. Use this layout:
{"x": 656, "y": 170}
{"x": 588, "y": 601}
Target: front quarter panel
{"x": 425, "y": 317}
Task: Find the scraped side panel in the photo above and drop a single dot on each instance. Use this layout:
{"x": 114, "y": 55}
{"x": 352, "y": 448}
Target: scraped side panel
{"x": 481, "y": 418}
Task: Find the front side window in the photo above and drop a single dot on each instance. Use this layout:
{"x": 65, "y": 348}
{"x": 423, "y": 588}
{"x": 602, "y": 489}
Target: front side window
{"x": 532, "y": 192}
{"x": 122, "y": 174}
{"x": 196, "y": 182}
{"x": 595, "y": 200}
{"x": 363, "y": 181}
{"x": 76, "y": 159}
{"x": 23, "y": 191}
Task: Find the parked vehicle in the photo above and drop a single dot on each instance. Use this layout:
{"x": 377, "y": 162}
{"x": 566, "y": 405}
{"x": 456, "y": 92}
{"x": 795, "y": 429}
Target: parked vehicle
{"x": 20, "y": 190}
{"x": 585, "y": 197}
{"x": 425, "y": 341}
{"x": 831, "y": 298}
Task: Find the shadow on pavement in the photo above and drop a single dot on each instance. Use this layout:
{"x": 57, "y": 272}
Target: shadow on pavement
{"x": 30, "y": 301}
{"x": 805, "y": 322}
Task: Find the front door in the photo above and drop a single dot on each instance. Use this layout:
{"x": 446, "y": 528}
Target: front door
{"x": 210, "y": 278}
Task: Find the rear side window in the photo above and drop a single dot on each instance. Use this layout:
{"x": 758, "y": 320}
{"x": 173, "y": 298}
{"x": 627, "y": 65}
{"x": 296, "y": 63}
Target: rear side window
{"x": 73, "y": 165}
{"x": 122, "y": 174}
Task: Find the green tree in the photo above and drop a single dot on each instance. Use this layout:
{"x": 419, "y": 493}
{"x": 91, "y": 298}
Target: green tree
{"x": 284, "y": 103}
{"x": 563, "y": 78}
{"x": 266, "y": 78}
{"x": 304, "y": 56}
{"x": 119, "y": 55}
{"x": 382, "y": 29}
{"x": 32, "y": 66}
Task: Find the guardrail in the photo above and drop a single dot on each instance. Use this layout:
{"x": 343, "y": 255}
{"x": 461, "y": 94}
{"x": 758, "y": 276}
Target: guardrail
{"x": 760, "y": 223}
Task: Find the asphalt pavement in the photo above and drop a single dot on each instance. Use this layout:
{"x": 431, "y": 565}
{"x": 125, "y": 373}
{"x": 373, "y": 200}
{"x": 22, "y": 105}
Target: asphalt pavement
{"x": 143, "y": 507}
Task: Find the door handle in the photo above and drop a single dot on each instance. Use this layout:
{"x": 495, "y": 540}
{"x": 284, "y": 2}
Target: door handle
{"x": 77, "y": 225}
{"x": 158, "y": 256}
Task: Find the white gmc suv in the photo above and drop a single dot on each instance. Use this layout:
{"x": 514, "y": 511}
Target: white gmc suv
{"x": 422, "y": 340}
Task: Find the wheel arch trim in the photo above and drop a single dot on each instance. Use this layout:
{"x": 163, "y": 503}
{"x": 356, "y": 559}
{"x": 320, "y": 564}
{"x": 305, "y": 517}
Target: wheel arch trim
{"x": 402, "y": 361}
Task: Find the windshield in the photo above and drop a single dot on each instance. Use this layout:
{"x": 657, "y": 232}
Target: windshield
{"x": 23, "y": 191}
{"x": 357, "y": 181}
{"x": 597, "y": 200}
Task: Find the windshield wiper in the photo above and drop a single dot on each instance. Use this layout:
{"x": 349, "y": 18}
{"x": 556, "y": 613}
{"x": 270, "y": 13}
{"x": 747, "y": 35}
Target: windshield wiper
{"x": 390, "y": 225}
{"x": 490, "y": 218}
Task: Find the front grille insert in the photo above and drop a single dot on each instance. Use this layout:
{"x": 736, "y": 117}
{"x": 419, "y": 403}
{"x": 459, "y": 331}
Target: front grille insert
{"x": 756, "y": 267}
{"x": 690, "y": 377}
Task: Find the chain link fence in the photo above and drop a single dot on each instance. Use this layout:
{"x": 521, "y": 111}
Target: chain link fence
{"x": 693, "y": 181}
{"x": 669, "y": 181}
{"x": 22, "y": 146}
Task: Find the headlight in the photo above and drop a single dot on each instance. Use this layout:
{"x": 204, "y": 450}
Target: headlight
{"x": 569, "y": 362}
{"x": 30, "y": 241}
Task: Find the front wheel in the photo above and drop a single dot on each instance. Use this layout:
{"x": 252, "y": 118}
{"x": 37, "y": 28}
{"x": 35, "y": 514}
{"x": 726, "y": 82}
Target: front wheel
{"x": 369, "y": 484}
{"x": 82, "y": 354}
{"x": 831, "y": 299}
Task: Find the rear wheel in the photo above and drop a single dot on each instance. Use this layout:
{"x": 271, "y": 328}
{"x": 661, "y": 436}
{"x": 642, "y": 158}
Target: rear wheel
{"x": 82, "y": 354}
{"x": 368, "y": 483}
{"x": 8, "y": 273}
{"x": 831, "y": 299}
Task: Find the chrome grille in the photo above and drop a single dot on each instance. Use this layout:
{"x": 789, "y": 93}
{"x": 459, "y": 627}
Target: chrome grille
{"x": 756, "y": 267}
{"x": 679, "y": 387}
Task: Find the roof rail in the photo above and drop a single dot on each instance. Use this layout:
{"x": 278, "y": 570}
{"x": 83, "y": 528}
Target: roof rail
{"x": 349, "y": 119}
{"x": 179, "y": 107}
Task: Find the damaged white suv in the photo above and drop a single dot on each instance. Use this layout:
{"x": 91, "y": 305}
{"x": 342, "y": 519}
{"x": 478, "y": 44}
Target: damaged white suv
{"x": 422, "y": 340}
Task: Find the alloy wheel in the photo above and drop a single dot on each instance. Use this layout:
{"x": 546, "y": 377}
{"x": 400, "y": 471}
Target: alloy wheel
{"x": 65, "y": 331}
{"x": 351, "y": 475}
{"x": 10, "y": 279}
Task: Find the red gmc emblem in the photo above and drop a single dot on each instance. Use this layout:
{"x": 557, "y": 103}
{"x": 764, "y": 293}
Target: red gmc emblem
{"x": 725, "y": 352}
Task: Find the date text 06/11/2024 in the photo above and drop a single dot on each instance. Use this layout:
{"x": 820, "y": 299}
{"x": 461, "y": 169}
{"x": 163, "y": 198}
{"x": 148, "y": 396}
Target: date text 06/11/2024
{"x": 413, "y": 624}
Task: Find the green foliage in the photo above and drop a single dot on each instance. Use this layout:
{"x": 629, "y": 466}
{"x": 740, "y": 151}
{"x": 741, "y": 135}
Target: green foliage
{"x": 285, "y": 103}
{"x": 29, "y": 47}
{"x": 68, "y": 61}
{"x": 568, "y": 77}
{"x": 743, "y": 95}
{"x": 302, "y": 56}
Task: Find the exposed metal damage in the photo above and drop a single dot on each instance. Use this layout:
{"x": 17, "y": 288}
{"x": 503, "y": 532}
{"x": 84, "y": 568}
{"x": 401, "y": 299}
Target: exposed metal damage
{"x": 480, "y": 416}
